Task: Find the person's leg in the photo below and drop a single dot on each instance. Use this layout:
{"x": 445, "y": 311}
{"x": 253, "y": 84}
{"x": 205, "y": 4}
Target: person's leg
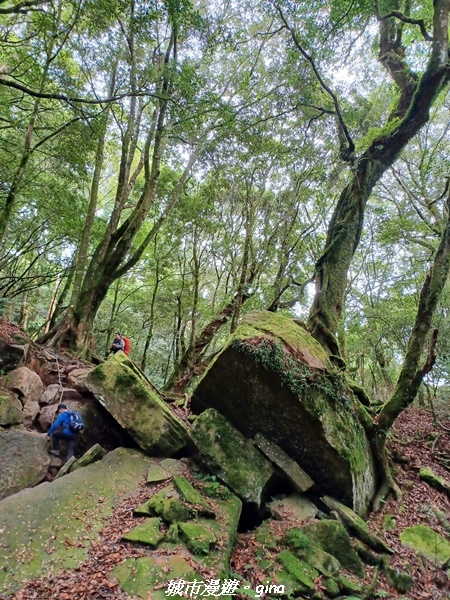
{"x": 71, "y": 443}
{"x": 55, "y": 444}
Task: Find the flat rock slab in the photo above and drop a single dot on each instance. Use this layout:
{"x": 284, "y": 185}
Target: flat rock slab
{"x": 39, "y": 522}
{"x": 292, "y": 508}
{"x": 156, "y": 474}
{"x": 139, "y": 577}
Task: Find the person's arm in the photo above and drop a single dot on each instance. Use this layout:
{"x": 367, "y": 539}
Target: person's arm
{"x": 59, "y": 421}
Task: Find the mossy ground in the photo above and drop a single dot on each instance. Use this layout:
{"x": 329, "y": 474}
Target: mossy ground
{"x": 52, "y": 526}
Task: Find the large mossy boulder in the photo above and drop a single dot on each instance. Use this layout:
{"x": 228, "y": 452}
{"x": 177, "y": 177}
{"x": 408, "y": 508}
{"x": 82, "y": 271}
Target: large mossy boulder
{"x": 131, "y": 400}
{"x": 273, "y": 378}
{"x": 24, "y": 460}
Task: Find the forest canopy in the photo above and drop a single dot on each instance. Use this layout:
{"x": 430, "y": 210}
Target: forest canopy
{"x": 167, "y": 166}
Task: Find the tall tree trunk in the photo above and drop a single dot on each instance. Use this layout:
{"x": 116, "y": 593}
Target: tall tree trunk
{"x": 412, "y": 372}
{"x": 409, "y": 115}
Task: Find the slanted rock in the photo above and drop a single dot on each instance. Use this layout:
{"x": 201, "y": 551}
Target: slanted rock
{"x": 280, "y": 383}
{"x": 26, "y": 382}
{"x": 439, "y": 483}
{"x": 136, "y": 407}
{"x": 23, "y": 460}
{"x": 299, "y": 480}
{"x": 10, "y": 409}
{"x": 228, "y": 454}
{"x": 331, "y": 537}
{"x": 357, "y": 526}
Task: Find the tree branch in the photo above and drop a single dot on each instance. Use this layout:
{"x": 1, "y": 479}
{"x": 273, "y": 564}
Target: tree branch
{"x": 72, "y": 99}
{"x": 341, "y": 123}
{"x": 401, "y": 17}
{"x": 21, "y": 8}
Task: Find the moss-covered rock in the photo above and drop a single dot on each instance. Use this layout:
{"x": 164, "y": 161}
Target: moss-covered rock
{"x": 136, "y": 406}
{"x": 96, "y": 452}
{"x": 10, "y": 410}
{"x": 357, "y": 525}
{"x": 198, "y": 537}
{"x": 332, "y": 538}
{"x": 147, "y": 532}
{"x": 193, "y": 496}
{"x": 145, "y": 577}
{"x": 399, "y": 580}
{"x": 166, "y": 504}
{"x": 156, "y": 474}
{"x": 54, "y": 524}
{"x": 439, "y": 483}
{"x": 304, "y": 547}
{"x": 273, "y": 367}
{"x": 428, "y": 543}
{"x": 299, "y": 569}
{"x": 229, "y": 455}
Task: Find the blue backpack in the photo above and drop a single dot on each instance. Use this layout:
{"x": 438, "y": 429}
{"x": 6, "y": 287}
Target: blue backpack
{"x": 75, "y": 421}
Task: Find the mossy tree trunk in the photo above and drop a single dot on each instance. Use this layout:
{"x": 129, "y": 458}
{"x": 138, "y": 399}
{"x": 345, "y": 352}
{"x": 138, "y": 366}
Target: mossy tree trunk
{"x": 413, "y": 372}
{"x": 114, "y": 256}
{"x": 416, "y": 97}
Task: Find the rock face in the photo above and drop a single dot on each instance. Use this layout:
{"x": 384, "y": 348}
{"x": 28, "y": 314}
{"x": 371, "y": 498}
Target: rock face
{"x": 23, "y": 460}
{"x": 125, "y": 394}
{"x": 26, "y": 382}
{"x": 10, "y": 409}
{"x": 273, "y": 378}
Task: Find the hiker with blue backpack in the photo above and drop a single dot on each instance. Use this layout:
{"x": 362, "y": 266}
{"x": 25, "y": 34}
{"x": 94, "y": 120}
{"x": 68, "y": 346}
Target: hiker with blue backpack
{"x": 67, "y": 426}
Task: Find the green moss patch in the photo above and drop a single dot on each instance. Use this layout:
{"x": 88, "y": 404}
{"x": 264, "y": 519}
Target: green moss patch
{"x": 198, "y": 537}
{"x": 139, "y": 577}
{"x": 193, "y": 496}
{"x": 168, "y": 505}
{"x": 299, "y": 569}
{"x": 147, "y": 532}
{"x": 331, "y": 537}
{"x": 427, "y": 542}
